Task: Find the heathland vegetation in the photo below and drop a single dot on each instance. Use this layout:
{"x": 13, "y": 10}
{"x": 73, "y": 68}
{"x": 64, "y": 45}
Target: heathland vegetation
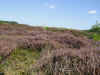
{"x": 26, "y": 50}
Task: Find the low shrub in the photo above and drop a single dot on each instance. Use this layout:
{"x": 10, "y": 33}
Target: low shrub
{"x": 46, "y": 28}
{"x": 8, "y": 22}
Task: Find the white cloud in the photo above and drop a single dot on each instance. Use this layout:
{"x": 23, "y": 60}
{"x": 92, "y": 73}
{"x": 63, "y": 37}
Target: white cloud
{"x": 92, "y": 12}
{"x": 12, "y": 18}
{"x": 52, "y": 6}
{"x": 7, "y": 17}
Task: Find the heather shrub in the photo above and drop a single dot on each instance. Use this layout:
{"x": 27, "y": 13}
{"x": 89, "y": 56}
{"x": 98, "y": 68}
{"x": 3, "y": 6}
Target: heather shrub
{"x": 37, "y": 45}
{"x": 35, "y": 51}
{"x": 62, "y": 62}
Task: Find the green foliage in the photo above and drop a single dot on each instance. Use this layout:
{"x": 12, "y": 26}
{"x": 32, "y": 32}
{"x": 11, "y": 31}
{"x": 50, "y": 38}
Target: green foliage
{"x": 96, "y": 37}
{"x": 0, "y": 58}
{"x": 95, "y": 28}
{"x": 56, "y": 29}
{"x": 8, "y": 22}
{"x": 46, "y": 28}
{"x": 95, "y": 32}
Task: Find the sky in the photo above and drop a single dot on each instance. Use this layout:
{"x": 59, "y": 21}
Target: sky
{"x": 75, "y": 14}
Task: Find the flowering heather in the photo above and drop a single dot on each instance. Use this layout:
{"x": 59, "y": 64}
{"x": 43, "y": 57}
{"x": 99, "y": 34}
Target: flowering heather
{"x": 62, "y": 52}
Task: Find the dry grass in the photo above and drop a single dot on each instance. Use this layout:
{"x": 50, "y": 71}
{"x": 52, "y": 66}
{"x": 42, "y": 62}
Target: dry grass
{"x": 19, "y": 61}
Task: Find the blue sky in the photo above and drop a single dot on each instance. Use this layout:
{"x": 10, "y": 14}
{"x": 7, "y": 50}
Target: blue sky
{"x": 77, "y": 14}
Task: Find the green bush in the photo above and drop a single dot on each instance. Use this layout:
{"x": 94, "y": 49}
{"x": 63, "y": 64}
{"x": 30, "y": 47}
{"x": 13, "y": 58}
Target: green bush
{"x": 96, "y": 37}
{"x": 8, "y": 22}
{"x": 46, "y": 28}
{"x": 95, "y": 32}
{"x": 95, "y": 28}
